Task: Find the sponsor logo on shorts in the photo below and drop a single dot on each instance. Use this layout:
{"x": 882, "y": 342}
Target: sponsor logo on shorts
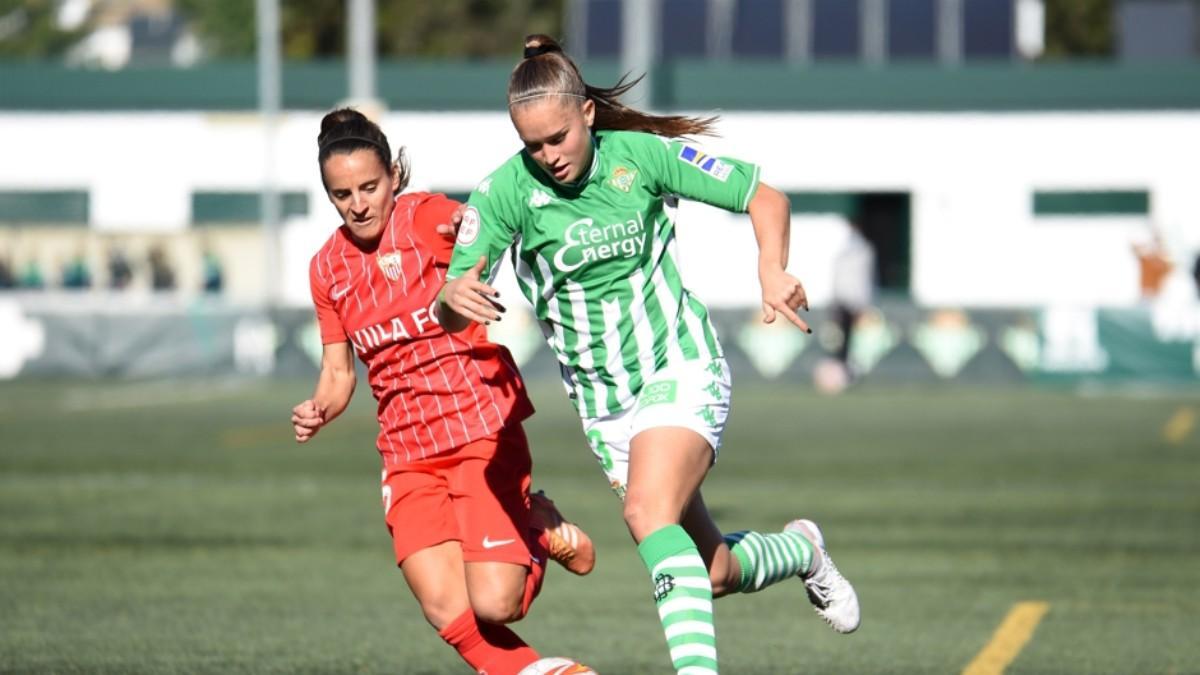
{"x": 617, "y": 488}
{"x": 493, "y": 543}
{"x": 662, "y": 391}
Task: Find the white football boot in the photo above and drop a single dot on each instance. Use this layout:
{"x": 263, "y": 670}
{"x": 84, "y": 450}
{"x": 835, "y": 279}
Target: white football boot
{"x": 832, "y": 596}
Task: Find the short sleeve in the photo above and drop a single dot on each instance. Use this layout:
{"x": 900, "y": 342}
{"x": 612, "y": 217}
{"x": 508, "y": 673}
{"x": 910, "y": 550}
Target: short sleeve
{"x": 436, "y": 210}
{"x": 327, "y": 319}
{"x": 488, "y": 229}
{"x": 687, "y": 170}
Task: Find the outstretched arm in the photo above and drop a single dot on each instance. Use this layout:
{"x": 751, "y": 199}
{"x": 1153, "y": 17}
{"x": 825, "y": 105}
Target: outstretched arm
{"x": 770, "y": 214}
{"x": 466, "y": 299}
{"x": 335, "y": 386}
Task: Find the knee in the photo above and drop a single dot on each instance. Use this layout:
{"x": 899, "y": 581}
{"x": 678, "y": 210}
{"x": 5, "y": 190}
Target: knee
{"x": 441, "y": 611}
{"x": 497, "y": 608}
{"x": 643, "y": 516}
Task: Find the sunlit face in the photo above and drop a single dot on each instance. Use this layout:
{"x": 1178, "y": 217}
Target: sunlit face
{"x": 556, "y": 131}
{"x": 361, "y": 188}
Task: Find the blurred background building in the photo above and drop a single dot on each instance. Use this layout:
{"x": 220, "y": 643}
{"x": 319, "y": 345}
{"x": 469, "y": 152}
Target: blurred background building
{"x": 1023, "y": 170}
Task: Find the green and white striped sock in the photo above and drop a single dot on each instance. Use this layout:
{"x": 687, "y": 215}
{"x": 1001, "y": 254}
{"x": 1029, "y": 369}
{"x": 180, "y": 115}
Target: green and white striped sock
{"x": 683, "y": 593}
{"x": 766, "y": 559}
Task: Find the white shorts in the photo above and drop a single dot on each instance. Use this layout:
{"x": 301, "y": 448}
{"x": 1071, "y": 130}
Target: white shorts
{"x": 695, "y": 395}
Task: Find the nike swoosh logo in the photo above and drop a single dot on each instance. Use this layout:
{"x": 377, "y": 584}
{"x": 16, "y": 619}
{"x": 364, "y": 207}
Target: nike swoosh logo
{"x": 337, "y": 294}
{"x": 488, "y": 543}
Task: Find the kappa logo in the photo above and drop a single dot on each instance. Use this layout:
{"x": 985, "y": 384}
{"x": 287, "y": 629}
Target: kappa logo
{"x": 468, "y": 231}
{"x": 484, "y": 186}
{"x": 390, "y": 264}
{"x": 706, "y": 163}
{"x": 493, "y": 543}
{"x": 539, "y": 198}
{"x": 622, "y": 178}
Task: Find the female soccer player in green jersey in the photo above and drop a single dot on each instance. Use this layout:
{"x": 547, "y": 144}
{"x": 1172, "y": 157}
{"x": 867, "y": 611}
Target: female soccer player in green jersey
{"x": 588, "y": 208}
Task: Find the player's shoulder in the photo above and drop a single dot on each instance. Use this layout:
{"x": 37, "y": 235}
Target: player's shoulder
{"x": 640, "y": 149}
{"x": 633, "y": 141}
{"x": 329, "y": 256}
{"x": 503, "y": 184}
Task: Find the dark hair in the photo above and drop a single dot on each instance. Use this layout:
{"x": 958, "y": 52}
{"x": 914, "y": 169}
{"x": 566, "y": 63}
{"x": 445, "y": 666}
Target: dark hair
{"x": 345, "y": 130}
{"x": 546, "y": 70}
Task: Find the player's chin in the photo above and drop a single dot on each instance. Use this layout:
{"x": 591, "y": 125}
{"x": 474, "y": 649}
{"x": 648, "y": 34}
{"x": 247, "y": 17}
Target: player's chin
{"x": 366, "y": 229}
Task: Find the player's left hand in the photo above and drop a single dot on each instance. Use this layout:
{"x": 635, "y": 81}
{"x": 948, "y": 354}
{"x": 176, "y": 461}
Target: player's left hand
{"x": 450, "y": 230}
{"x": 783, "y": 294}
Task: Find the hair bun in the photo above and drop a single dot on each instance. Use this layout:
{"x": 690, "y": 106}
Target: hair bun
{"x": 338, "y": 117}
{"x": 538, "y": 44}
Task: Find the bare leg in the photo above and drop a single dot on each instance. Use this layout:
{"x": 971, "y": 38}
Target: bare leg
{"x": 437, "y": 580}
{"x": 723, "y": 568}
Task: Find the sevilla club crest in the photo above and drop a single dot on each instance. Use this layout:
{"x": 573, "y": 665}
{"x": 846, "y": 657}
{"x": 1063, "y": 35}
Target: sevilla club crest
{"x": 390, "y": 264}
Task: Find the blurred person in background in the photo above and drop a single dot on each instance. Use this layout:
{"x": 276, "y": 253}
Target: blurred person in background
{"x": 7, "y": 280}
{"x": 471, "y": 540}
{"x": 853, "y": 292}
{"x": 1154, "y": 266}
{"x": 75, "y": 273}
{"x": 589, "y": 206}
{"x": 1196, "y": 274}
{"x": 212, "y": 271}
{"x": 31, "y": 276}
{"x": 162, "y": 275}
{"x": 120, "y": 273}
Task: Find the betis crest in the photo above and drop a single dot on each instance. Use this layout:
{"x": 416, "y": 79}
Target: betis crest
{"x": 390, "y": 264}
{"x": 623, "y": 178}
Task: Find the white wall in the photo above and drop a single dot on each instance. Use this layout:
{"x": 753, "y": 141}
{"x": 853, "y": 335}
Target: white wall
{"x": 972, "y": 176}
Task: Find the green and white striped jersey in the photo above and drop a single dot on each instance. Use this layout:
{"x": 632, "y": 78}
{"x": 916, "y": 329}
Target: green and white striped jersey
{"x": 597, "y": 259}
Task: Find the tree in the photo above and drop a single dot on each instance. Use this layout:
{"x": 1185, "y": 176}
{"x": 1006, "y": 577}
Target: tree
{"x": 1079, "y": 28}
{"x": 29, "y": 29}
{"x": 317, "y": 28}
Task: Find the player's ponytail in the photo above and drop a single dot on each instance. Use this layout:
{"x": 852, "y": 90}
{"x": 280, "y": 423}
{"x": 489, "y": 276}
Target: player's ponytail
{"x": 546, "y": 70}
{"x": 345, "y": 130}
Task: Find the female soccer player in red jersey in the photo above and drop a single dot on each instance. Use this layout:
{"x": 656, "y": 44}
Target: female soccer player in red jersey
{"x": 469, "y": 537}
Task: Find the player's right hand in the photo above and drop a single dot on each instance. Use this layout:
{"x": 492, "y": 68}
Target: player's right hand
{"x": 307, "y": 418}
{"x": 472, "y": 299}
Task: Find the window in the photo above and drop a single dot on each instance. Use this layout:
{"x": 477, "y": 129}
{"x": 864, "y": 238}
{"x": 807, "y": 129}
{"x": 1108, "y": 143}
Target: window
{"x": 684, "y": 25}
{"x": 988, "y": 29}
{"x": 58, "y": 207}
{"x": 758, "y": 29}
{"x": 603, "y": 28}
{"x": 1091, "y": 203}
{"x": 222, "y": 208}
{"x": 835, "y": 29}
{"x": 912, "y": 29}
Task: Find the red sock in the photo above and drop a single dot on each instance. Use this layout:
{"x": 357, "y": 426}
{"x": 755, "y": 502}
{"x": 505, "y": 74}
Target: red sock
{"x": 488, "y": 648}
{"x": 538, "y": 548}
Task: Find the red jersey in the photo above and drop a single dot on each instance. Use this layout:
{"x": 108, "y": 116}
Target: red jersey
{"x": 437, "y": 391}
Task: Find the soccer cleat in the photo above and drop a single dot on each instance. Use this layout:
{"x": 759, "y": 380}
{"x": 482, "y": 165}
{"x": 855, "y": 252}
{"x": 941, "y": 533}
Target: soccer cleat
{"x": 832, "y": 596}
{"x": 569, "y": 545}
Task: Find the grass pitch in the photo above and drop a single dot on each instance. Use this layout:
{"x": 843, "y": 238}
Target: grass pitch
{"x": 176, "y": 528}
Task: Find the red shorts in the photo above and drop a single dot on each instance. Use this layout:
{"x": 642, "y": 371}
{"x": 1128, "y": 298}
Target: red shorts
{"x": 477, "y": 495}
